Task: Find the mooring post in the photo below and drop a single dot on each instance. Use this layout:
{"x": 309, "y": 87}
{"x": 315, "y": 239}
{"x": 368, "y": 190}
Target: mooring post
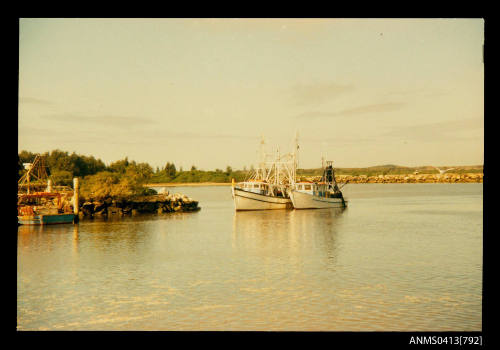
{"x": 49, "y": 185}
{"x": 75, "y": 195}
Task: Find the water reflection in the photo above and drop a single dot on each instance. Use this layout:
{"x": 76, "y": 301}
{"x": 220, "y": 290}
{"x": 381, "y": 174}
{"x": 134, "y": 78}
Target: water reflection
{"x": 294, "y": 234}
{"x": 381, "y": 265}
{"x": 46, "y": 237}
{"x": 323, "y": 226}
{"x": 135, "y": 233}
{"x": 27, "y": 230}
{"x": 75, "y": 240}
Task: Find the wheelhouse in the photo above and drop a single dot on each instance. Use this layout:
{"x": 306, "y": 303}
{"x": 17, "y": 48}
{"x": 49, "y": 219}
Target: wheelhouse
{"x": 305, "y": 187}
{"x": 320, "y": 189}
{"x": 313, "y": 188}
{"x": 254, "y": 187}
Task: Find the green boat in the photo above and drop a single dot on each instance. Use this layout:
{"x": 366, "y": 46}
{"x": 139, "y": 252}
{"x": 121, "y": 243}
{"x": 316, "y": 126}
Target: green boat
{"x": 39, "y": 206}
{"x": 43, "y": 208}
{"x": 46, "y": 219}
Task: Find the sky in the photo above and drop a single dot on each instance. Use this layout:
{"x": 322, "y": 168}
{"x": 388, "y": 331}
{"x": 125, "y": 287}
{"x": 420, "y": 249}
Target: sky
{"x": 202, "y": 91}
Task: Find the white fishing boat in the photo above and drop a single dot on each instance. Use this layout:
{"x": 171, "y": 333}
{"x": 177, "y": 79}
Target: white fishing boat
{"x": 317, "y": 195}
{"x": 268, "y": 186}
{"x": 259, "y": 195}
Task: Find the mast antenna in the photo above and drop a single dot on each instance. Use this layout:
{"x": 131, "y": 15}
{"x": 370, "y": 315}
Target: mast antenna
{"x": 295, "y": 157}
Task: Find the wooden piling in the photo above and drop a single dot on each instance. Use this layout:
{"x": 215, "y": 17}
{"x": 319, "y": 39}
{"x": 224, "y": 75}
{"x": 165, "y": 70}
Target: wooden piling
{"x": 75, "y": 196}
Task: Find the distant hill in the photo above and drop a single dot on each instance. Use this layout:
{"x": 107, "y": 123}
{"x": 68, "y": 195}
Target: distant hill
{"x": 391, "y": 169}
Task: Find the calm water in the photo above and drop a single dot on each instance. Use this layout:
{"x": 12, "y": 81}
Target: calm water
{"x": 401, "y": 257}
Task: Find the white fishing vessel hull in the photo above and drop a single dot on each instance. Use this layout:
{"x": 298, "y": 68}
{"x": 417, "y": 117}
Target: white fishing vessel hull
{"x": 302, "y": 200}
{"x": 245, "y": 200}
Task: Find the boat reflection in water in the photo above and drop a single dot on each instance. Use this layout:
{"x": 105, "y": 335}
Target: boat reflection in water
{"x": 293, "y": 235}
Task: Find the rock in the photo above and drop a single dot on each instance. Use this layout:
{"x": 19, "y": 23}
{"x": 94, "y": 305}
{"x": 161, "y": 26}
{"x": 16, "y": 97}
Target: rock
{"x": 114, "y": 210}
{"x": 102, "y": 212}
{"x": 158, "y": 203}
{"x": 163, "y": 190}
{"x": 127, "y": 209}
{"x": 87, "y": 209}
{"x": 99, "y": 206}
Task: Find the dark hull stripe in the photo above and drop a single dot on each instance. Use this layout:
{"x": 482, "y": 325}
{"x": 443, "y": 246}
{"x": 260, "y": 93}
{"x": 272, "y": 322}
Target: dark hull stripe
{"x": 261, "y": 200}
{"x": 319, "y": 200}
{"x": 258, "y": 194}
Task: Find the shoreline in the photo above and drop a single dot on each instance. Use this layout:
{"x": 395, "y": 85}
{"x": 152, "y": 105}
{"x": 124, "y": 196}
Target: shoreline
{"x": 187, "y": 184}
{"x": 413, "y": 178}
{"x": 360, "y": 179}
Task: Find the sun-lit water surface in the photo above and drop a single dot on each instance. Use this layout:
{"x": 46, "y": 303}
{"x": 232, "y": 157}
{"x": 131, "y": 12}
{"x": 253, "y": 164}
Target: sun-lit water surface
{"x": 401, "y": 257}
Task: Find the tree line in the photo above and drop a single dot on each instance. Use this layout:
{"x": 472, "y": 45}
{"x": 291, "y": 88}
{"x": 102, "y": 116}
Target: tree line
{"x": 125, "y": 177}
{"x": 120, "y": 177}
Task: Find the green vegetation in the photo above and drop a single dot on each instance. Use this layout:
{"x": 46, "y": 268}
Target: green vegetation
{"x": 168, "y": 174}
{"x": 62, "y": 166}
{"x": 105, "y": 184}
{"x": 125, "y": 178}
{"x": 120, "y": 179}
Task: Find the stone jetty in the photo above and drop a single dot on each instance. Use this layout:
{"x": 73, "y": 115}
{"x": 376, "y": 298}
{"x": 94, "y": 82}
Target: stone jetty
{"x": 159, "y": 203}
{"x": 410, "y": 178}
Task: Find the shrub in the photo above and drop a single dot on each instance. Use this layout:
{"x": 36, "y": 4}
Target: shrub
{"x": 62, "y": 178}
{"x": 110, "y": 185}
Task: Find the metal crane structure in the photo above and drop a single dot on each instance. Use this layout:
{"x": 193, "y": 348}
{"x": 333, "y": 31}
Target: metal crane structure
{"x": 35, "y": 177}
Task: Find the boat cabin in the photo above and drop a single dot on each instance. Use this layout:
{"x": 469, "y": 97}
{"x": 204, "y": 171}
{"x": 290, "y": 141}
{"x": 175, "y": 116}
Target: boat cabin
{"x": 319, "y": 189}
{"x": 254, "y": 187}
{"x": 42, "y": 203}
{"x": 305, "y": 187}
{"x": 263, "y": 188}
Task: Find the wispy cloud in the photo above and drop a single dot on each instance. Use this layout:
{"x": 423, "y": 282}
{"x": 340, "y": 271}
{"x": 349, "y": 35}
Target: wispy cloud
{"x": 136, "y": 136}
{"x": 307, "y": 94}
{"x": 372, "y": 108}
{"x": 449, "y": 130}
{"x": 32, "y": 100}
{"x": 342, "y": 140}
{"x": 418, "y": 92}
{"x": 162, "y": 134}
{"x": 108, "y": 120}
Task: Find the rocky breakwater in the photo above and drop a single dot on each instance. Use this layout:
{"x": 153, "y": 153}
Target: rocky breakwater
{"x": 412, "y": 178}
{"x": 152, "y": 204}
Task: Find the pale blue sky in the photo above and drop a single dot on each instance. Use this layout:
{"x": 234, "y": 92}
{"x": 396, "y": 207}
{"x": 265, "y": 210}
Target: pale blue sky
{"x": 361, "y": 92}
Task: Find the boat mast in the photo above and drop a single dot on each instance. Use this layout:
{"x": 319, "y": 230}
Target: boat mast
{"x": 295, "y": 159}
{"x": 335, "y": 185}
{"x": 262, "y": 159}
{"x": 277, "y": 181}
